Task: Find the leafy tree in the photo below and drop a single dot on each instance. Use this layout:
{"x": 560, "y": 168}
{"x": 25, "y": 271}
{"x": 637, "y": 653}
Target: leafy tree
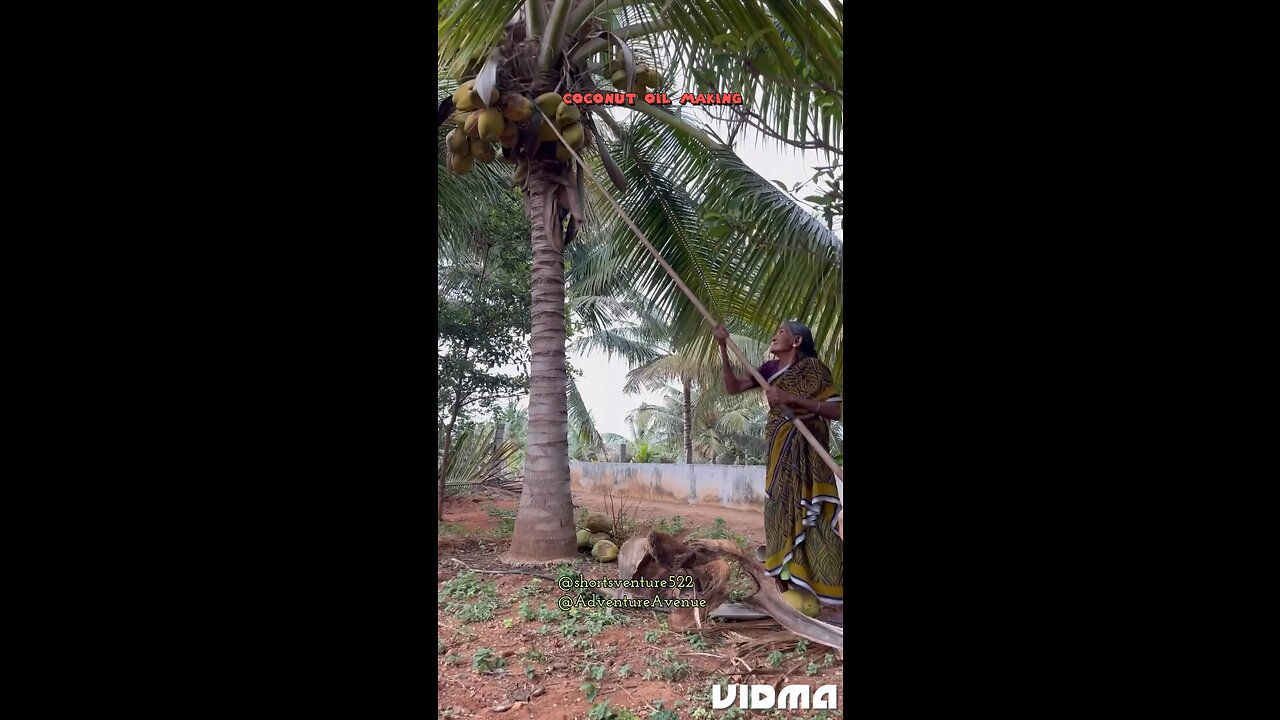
{"x": 482, "y": 322}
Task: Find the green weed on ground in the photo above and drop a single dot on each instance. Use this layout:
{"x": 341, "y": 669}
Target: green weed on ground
{"x": 667, "y": 667}
{"x": 467, "y": 598}
{"x": 720, "y": 531}
{"x": 741, "y": 586}
{"x": 671, "y": 527}
{"x": 507, "y": 526}
{"x": 602, "y": 711}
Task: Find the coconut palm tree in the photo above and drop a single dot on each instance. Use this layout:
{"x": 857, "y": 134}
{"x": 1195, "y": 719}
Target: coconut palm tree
{"x": 620, "y": 323}
{"x": 785, "y": 55}
{"x": 714, "y": 427}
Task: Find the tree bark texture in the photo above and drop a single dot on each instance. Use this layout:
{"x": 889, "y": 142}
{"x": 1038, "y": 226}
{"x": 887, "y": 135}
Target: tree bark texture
{"x": 544, "y": 528}
{"x": 688, "y": 423}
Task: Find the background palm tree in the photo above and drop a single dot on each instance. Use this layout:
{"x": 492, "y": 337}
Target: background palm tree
{"x": 720, "y": 428}
{"x": 786, "y": 55}
{"x": 640, "y": 334}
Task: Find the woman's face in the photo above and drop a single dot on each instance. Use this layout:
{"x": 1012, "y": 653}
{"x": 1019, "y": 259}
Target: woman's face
{"x": 783, "y": 340}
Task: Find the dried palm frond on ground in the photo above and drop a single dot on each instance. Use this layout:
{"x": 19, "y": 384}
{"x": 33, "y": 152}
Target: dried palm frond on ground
{"x": 475, "y": 465}
{"x": 659, "y": 556}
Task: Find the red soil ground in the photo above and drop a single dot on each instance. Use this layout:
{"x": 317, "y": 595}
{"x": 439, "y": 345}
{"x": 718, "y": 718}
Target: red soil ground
{"x": 555, "y": 654}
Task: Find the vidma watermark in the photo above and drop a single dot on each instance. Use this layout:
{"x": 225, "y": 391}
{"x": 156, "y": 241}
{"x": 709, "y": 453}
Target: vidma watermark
{"x": 761, "y": 697}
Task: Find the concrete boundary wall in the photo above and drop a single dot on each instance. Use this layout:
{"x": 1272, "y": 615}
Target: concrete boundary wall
{"x": 740, "y": 487}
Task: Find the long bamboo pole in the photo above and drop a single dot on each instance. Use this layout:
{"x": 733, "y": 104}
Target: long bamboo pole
{"x": 675, "y": 277}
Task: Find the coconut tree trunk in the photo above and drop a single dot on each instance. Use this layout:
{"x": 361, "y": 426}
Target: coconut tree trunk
{"x": 688, "y": 423}
{"x": 544, "y": 530}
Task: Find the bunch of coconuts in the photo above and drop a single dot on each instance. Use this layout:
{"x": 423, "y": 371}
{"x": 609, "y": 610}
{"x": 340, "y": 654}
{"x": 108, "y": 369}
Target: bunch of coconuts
{"x": 478, "y": 126}
{"x": 596, "y": 536}
{"x": 646, "y": 80}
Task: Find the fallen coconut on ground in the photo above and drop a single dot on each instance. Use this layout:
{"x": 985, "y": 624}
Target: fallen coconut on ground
{"x": 803, "y": 601}
{"x": 598, "y": 522}
{"x": 604, "y": 551}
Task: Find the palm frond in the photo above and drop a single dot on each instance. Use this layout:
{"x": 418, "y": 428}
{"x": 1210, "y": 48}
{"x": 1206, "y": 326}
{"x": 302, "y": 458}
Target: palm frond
{"x": 469, "y": 29}
{"x": 596, "y": 267}
{"x": 597, "y": 311}
{"x": 581, "y": 422}
{"x": 673, "y": 368}
{"x": 771, "y": 260}
{"x": 669, "y": 217}
{"x": 474, "y": 464}
{"x": 784, "y": 56}
{"x": 616, "y": 343}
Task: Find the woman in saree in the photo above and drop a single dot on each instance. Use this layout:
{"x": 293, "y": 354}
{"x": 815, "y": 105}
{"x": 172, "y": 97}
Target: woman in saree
{"x": 802, "y": 501}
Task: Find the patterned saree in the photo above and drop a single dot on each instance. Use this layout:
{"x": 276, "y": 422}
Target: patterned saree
{"x": 800, "y": 513}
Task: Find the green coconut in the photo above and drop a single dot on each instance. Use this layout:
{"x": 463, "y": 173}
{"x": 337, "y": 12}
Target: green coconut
{"x": 460, "y": 164}
{"x": 458, "y": 142}
{"x": 517, "y": 108}
{"x": 482, "y": 151}
{"x": 584, "y": 538}
{"x": 812, "y": 607}
{"x": 490, "y": 124}
{"x": 568, "y": 115}
{"x": 574, "y": 135}
{"x": 547, "y": 133}
{"x": 604, "y": 551}
{"x": 549, "y": 103}
{"x": 465, "y": 97}
{"x": 597, "y": 537}
{"x": 802, "y": 601}
{"x": 598, "y": 522}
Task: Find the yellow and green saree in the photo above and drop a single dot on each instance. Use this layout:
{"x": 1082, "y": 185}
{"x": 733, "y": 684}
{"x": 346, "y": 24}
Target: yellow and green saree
{"x": 803, "y": 501}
